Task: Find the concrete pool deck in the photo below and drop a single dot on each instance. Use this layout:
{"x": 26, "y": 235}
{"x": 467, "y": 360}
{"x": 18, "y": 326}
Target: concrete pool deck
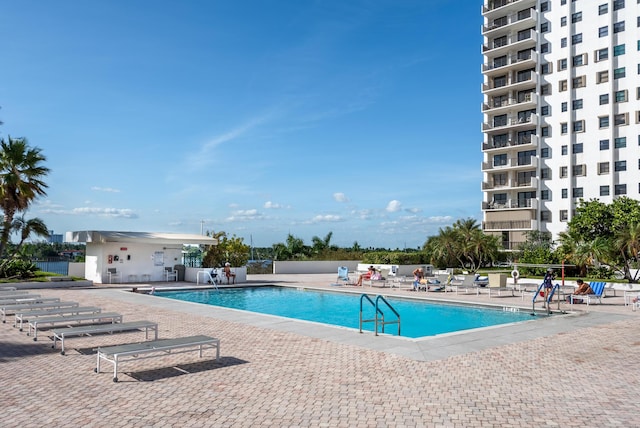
{"x": 576, "y": 370}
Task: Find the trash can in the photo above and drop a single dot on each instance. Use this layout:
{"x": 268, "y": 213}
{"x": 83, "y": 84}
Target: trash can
{"x": 497, "y": 280}
{"x": 180, "y": 270}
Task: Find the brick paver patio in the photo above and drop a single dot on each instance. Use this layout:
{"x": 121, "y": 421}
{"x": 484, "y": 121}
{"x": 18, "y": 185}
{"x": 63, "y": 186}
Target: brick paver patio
{"x": 588, "y": 377}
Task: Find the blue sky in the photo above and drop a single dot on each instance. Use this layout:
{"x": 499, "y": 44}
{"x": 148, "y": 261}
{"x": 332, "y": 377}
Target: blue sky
{"x": 260, "y": 119}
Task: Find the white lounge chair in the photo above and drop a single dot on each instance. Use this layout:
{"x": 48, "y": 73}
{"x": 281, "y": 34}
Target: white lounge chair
{"x": 343, "y": 276}
{"x": 112, "y": 273}
{"x": 467, "y": 282}
{"x": 170, "y": 274}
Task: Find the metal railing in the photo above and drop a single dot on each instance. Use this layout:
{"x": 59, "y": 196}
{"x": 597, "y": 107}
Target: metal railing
{"x": 379, "y": 318}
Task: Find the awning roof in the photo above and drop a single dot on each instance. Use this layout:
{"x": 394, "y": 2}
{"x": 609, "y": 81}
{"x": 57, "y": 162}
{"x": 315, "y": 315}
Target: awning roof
{"x": 102, "y": 236}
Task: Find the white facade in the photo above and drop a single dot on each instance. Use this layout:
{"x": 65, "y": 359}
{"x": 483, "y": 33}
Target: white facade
{"x": 137, "y": 256}
{"x": 561, "y": 110}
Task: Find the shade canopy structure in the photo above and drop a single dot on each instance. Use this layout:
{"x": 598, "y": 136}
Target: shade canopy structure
{"x": 102, "y": 236}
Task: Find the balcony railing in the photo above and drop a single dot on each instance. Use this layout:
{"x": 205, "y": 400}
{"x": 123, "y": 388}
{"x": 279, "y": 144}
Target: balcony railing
{"x": 509, "y": 19}
{"x": 510, "y": 40}
{"x": 492, "y": 5}
{"x": 514, "y": 82}
{"x": 510, "y": 61}
{"x": 507, "y": 225}
{"x": 510, "y": 204}
{"x": 532, "y": 119}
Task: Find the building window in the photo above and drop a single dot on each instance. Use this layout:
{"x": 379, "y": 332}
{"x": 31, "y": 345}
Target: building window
{"x": 563, "y": 128}
{"x": 604, "y": 190}
{"x": 562, "y": 64}
{"x": 577, "y": 38}
{"x": 619, "y": 73}
{"x": 563, "y": 106}
{"x": 620, "y": 142}
{"x": 563, "y": 42}
{"x": 604, "y": 99}
{"x": 577, "y": 148}
{"x": 545, "y": 215}
{"x": 544, "y": 6}
{"x": 618, "y": 4}
{"x": 578, "y": 60}
{"x": 577, "y": 192}
{"x": 565, "y": 193}
{"x": 579, "y": 82}
{"x": 578, "y": 126}
{"x": 618, "y": 50}
{"x": 500, "y": 160}
{"x": 619, "y": 166}
{"x": 564, "y": 215}
{"x": 603, "y": 31}
{"x": 602, "y": 76}
{"x": 563, "y": 150}
{"x": 544, "y": 152}
{"x": 544, "y": 48}
{"x": 544, "y": 111}
{"x": 602, "y": 54}
{"x": 620, "y": 119}
{"x": 545, "y": 89}
{"x": 603, "y": 8}
{"x": 604, "y": 144}
{"x": 524, "y": 34}
{"x": 562, "y": 85}
{"x": 579, "y": 170}
{"x": 621, "y": 96}
{"x": 563, "y": 172}
{"x": 545, "y": 131}
{"x": 620, "y": 189}
{"x": 618, "y": 27}
{"x": 545, "y": 68}
{"x": 576, "y": 104}
{"x": 603, "y": 168}
{"x": 576, "y": 17}
{"x": 603, "y": 121}
{"x": 545, "y": 173}
{"x": 544, "y": 27}
{"x": 563, "y": 21}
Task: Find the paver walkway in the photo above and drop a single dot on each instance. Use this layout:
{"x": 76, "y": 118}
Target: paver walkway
{"x": 585, "y": 377}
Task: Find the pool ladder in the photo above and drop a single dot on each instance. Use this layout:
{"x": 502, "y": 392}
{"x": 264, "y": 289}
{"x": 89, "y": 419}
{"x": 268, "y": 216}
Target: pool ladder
{"x": 379, "y": 313}
{"x": 547, "y": 300}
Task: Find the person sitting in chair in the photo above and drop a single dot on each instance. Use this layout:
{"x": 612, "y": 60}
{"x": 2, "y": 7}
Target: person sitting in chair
{"x": 583, "y": 288}
{"x": 228, "y": 273}
{"x": 418, "y": 276}
{"x": 366, "y": 275}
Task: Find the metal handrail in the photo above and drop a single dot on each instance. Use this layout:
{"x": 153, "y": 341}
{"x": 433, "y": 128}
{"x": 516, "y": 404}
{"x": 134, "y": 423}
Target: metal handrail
{"x": 397, "y": 321}
{"x": 379, "y": 313}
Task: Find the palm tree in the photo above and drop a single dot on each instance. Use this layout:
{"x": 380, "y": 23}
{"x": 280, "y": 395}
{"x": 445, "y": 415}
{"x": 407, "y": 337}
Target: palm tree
{"x": 21, "y": 181}
{"x": 28, "y": 227}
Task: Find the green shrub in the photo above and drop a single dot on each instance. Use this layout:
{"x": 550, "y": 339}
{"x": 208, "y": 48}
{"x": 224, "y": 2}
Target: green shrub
{"x": 17, "y": 268}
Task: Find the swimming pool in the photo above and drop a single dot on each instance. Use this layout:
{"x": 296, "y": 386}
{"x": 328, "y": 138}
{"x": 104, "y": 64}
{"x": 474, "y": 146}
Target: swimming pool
{"x": 418, "y": 318}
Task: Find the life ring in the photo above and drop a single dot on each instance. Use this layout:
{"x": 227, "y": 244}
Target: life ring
{"x": 515, "y": 274}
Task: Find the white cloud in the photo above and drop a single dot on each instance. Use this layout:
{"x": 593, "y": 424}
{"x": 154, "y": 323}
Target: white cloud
{"x": 340, "y": 197}
{"x": 245, "y": 215}
{"x": 272, "y": 205}
{"x": 327, "y": 218}
{"x": 106, "y": 212}
{"x": 413, "y": 210}
{"x": 394, "y": 206}
{"x": 105, "y": 189}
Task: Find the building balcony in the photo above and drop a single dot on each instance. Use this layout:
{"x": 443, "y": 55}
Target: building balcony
{"x": 509, "y": 225}
{"x": 501, "y": 106}
{"x": 521, "y": 143}
{"x": 512, "y": 121}
{"x": 519, "y": 20}
{"x": 512, "y": 163}
{"x": 512, "y": 42}
{"x": 511, "y": 204}
{"x": 495, "y": 8}
{"x": 513, "y": 83}
{"x": 532, "y": 183}
{"x": 514, "y": 62}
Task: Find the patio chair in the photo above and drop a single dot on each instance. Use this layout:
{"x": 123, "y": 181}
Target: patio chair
{"x": 469, "y": 281}
{"x": 170, "y": 274}
{"x": 343, "y": 275}
{"x": 112, "y": 273}
{"x": 598, "y": 291}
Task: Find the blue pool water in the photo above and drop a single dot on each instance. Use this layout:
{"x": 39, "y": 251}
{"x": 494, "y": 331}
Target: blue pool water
{"x": 418, "y": 319}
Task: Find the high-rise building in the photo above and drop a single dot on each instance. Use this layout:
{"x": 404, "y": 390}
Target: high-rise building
{"x": 561, "y": 111}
